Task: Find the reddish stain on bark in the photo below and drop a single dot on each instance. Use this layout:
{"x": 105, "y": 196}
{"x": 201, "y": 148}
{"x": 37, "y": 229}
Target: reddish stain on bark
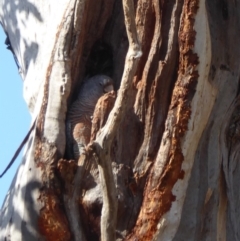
{"x": 158, "y": 195}
{"x": 52, "y": 223}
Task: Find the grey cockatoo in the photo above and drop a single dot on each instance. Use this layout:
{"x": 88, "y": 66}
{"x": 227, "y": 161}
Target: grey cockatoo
{"x": 80, "y": 113}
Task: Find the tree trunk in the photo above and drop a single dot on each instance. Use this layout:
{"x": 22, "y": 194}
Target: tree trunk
{"x": 162, "y": 161}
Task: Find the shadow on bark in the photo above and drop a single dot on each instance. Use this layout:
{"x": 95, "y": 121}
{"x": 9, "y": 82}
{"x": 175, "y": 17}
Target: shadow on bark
{"x": 10, "y": 25}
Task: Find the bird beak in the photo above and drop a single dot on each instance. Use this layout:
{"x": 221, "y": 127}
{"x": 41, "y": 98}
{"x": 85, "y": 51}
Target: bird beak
{"x": 108, "y": 88}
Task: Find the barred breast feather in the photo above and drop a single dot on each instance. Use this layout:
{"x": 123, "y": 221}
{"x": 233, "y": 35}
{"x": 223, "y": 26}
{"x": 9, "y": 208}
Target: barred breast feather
{"x": 78, "y": 122}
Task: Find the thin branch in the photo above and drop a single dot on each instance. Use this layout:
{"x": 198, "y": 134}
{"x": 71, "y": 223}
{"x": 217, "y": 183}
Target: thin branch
{"x": 19, "y": 149}
{"x": 102, "y": 145}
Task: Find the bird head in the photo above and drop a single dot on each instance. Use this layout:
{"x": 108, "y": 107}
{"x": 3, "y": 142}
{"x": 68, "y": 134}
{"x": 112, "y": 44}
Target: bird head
{"x": 95, "y": 87}
{"x": 106, "y": 83}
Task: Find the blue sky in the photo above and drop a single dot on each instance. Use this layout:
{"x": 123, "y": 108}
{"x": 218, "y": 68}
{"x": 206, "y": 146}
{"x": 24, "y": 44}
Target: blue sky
{"x": 15, "y": 118}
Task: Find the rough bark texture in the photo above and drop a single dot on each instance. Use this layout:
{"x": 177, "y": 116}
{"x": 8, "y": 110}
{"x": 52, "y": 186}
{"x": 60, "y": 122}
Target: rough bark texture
{"x": 175, "y": 153}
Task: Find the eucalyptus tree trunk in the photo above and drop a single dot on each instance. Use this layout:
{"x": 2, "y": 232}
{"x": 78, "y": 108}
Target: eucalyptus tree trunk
{"x": 163, "y": 165}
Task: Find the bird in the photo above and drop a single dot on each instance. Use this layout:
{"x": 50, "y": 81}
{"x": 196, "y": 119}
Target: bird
{"x": 79, "y": 116}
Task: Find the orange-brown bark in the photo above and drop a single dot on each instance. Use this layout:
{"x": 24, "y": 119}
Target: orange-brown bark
{"x": 158, "y": 192}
